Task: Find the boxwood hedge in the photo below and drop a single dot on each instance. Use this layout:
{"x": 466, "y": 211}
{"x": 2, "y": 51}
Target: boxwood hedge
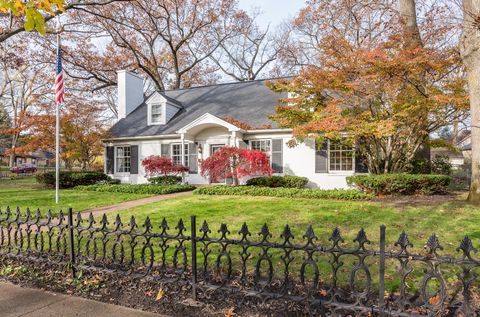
{"x": 165, "y": 180}
{"x": 286, "y": 181}
{"x": 401, "y": 184}
{"x": 345, "y": 194}
{"x": 138, "y": 188}
{"x": 71, "y": 179}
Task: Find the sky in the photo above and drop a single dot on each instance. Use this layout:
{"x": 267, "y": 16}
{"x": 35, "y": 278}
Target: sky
{"x": 274, "y": 11}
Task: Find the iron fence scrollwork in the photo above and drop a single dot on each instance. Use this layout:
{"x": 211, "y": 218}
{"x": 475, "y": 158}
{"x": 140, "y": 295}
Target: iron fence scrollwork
{"x": 327, "y": 277}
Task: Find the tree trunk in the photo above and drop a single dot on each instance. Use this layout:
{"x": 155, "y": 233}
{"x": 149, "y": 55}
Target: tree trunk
{"x": 412, "y": 40}
{"x": 408, "y": 15}
{"x": 11, "y": 161}
{"x": 470, "y": 49}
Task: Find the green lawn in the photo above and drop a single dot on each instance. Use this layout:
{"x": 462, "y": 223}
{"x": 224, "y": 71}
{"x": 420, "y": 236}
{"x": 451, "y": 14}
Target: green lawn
{"x": 25, "y": 192}
{"x": 450, "y": 220}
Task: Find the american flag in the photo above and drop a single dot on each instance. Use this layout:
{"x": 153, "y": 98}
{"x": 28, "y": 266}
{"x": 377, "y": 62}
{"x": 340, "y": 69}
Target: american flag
{"x": 59, "y": 78}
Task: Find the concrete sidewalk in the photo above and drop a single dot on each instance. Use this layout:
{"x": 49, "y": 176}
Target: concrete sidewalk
{"x": 16, "y": 301}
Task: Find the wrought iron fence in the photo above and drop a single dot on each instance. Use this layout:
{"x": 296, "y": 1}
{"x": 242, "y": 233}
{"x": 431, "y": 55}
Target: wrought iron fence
{"x": 334, "y": 277}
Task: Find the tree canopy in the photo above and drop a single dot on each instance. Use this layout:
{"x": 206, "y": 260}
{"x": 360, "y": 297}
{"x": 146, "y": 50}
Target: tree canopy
{"x": 383, "y": 93}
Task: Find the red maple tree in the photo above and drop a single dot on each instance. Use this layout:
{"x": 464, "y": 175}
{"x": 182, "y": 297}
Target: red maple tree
{"x": 161, "y": 165}
{"x": 232, "y": 162}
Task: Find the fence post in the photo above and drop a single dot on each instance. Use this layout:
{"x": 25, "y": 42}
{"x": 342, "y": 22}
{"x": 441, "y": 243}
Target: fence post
{"x": 70, "y": 237}
{"x": 193, "y": 224}
{"x": 381, "y": 271}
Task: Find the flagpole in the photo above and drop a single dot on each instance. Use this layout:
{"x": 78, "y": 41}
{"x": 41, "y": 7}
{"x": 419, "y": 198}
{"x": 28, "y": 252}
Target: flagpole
{"x": 57, "y": 141}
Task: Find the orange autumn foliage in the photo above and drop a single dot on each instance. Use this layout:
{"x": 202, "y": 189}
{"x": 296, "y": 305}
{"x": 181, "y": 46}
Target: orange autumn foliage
{"x": 385, "y": 97}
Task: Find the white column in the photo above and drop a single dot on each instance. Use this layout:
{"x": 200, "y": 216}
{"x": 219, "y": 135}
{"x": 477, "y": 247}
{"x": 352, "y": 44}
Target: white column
{"x": 183, "y": 155}
{"x": 233, "y": 140}
{"x": 182, "y": 136}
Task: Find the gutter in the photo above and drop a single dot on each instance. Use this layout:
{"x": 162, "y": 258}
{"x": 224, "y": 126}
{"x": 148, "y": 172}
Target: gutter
{"x": 177, "y": 136}
{"x": 146, "y": 137}
{"x": 268, "y": 131}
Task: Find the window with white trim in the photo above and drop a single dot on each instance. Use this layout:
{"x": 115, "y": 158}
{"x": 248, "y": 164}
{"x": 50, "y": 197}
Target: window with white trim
{"x": 177, "y": 154}
{"x": 262, "y": 145}
{"x": 123, "y": 159}
{"x": 340, "y": 157}
{"x": 156, "y": 113}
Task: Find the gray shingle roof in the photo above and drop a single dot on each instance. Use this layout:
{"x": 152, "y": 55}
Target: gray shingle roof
{"x": 248, "y": 102}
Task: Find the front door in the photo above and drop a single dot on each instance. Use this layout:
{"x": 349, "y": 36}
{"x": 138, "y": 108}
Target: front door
{"x": 214, "y": 148}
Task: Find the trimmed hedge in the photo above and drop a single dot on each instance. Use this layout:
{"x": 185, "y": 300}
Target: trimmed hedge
{"x": 401, "y": 184}
{"x": 165, "y": 180}
{"x": 138, "y": 188}
{"x": 72, "y": 179}
{"x": 344, "y": 194}
{"x": 286, "y": 181}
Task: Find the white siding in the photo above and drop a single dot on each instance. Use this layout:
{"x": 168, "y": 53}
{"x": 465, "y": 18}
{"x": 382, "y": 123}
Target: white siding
{"x": 299, "y": 160}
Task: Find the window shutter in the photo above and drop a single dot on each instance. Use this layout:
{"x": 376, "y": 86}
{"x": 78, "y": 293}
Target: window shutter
{"x": 165, "y": 150}
{"x": 134, "y": 159}
{"x": 193, "y": 161}
{"x": 110, "y": 151}
{"x": 277, "y": 155}
{"x": 243, "y": 144}
{"x": 321, "y": 158}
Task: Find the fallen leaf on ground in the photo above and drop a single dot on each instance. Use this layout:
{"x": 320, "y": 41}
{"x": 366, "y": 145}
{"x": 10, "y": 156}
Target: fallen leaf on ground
{"x": 434, "y": 300}
{"x": 230, "y": 312}
{"x": 160, "y": 294}
{"x": 149, "y": 294}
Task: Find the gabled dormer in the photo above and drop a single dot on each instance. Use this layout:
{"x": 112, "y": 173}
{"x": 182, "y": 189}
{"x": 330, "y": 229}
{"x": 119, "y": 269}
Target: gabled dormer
{"x": 161, "y": 109}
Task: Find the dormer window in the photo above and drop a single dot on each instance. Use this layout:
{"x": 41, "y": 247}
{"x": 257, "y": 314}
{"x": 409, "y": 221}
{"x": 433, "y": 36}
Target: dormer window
{"x": 161, "y": 109}
{"x": 156, "y": 113}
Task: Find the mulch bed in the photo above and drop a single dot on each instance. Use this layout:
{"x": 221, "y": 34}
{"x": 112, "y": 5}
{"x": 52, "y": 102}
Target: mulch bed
{"x": 170, "y": 298}
{"x": 419, "y": 201}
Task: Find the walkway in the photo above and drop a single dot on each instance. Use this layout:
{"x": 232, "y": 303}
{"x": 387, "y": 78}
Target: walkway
{"x": 133, "y": 203}
{"x": 16, "y": 301}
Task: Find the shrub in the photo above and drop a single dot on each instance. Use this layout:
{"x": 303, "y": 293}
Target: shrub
{"x": 165, "y": 180}
{"x": 138, "y": 188}
{"x": 401, "y": 184}
{"x": 232, "y": 162}
{"x": 441, "y": 165}
{"x": 71, "y": 179}
{"x": 345, "y": 194}
{"x": 109, "y": 181}
{"x": 162, "y": 165}
{"x": 279, "y": 181}
{"x": 420, "y": 165}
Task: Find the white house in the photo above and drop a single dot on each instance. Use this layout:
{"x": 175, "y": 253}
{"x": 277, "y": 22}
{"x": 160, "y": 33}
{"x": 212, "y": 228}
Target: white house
{"x": 190, "y": 124}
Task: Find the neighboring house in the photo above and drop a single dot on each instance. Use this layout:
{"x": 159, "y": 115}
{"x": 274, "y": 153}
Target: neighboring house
{"x": 455, "y": 158}
{"x": 462, "y": 155}
{"x": 43, "y": 158}
{"x": 38, "y": 158}
{"x": 189, "y": 125}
